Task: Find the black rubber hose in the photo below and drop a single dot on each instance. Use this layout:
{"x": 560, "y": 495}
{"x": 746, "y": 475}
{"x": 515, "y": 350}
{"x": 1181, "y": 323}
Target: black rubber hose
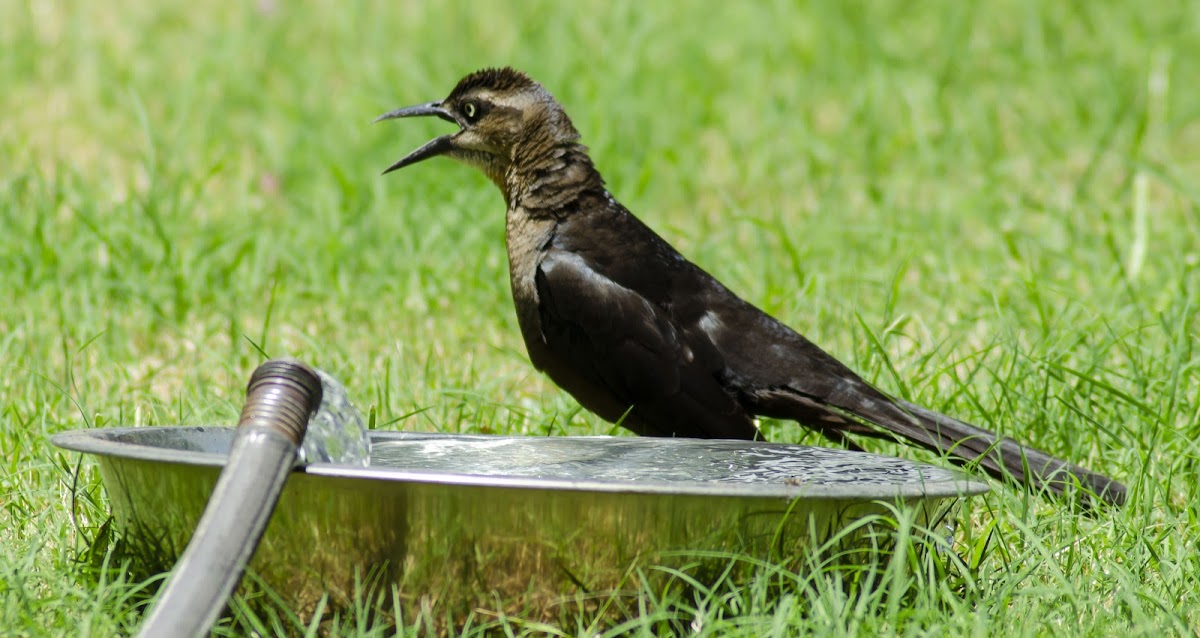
{"x": 280, "y": 398}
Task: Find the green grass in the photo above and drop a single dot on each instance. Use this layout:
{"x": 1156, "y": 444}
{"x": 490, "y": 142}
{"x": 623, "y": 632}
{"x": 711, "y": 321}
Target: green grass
{"x": 990, "y": 208}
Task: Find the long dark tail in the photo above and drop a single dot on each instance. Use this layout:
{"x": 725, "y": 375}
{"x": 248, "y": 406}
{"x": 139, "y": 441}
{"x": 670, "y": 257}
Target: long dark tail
{"x": 1001, "y": 456}
{"x": 860, "y": 409}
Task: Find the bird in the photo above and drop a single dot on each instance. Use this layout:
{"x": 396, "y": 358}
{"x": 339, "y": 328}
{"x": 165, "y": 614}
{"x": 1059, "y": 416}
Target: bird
{"x": 643, "y": 337}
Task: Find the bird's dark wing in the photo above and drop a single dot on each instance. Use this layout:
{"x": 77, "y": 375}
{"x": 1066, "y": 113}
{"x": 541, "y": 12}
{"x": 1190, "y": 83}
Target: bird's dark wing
{"x": 766, "y": 367}
{"x": 614, "y": 350}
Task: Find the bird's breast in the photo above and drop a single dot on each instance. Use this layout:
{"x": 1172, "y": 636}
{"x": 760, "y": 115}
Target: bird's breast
{"x": 526, "y": 238}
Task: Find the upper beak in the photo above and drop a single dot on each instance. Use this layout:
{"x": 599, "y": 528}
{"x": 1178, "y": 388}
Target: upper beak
{"x": 434, "y": 147}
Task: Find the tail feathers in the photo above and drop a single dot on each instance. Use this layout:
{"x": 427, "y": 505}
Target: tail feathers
{"x": 1000, "y": 456}
{"x": 874, "y": 414}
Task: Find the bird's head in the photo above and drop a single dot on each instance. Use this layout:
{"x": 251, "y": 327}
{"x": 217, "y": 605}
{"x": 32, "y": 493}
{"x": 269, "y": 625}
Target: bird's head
{"x": 500, "y": 113}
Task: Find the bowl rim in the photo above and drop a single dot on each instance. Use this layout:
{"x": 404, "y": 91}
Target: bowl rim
{"x": 106, "y": 442}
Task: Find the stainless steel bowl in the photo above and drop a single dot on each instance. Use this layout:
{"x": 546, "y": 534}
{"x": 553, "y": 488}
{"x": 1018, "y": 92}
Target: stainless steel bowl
{"x": 461, "y": 521}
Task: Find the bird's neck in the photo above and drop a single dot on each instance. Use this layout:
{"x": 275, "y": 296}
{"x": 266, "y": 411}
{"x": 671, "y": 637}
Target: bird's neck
{"x": 545, "y": 180}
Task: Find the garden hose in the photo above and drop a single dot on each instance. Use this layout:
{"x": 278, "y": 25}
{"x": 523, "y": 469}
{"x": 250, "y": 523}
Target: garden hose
{"x": 280, "y": 398}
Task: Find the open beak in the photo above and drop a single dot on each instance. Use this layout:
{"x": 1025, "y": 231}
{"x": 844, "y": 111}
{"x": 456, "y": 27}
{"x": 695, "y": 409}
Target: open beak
{"x": 434, "y": 147}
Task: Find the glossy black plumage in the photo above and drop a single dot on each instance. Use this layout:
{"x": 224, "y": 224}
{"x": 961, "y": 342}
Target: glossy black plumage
{"x": 637, "y": 333}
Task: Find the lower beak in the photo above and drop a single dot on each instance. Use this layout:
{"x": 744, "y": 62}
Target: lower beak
{"x": 432, "y": 148}
{"x": 436, "y": 146}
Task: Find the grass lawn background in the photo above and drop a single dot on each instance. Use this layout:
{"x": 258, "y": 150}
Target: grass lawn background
{"x": 990, "y": 208}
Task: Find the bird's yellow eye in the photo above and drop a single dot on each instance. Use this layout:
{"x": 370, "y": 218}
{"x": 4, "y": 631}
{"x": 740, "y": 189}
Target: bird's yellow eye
{"x": 469, "y": 109}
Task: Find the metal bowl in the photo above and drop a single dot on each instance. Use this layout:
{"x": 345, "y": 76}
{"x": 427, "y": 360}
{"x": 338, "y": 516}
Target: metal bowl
{"x": 461, "y": 521}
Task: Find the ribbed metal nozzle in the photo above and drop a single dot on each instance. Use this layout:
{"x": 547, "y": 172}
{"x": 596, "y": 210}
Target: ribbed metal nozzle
{"x": 282, "y": 395}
